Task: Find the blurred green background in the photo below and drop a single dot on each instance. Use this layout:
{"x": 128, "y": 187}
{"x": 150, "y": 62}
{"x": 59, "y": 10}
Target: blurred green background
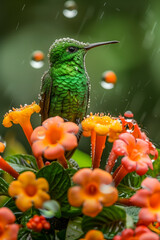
{"x": 28, "y": 25}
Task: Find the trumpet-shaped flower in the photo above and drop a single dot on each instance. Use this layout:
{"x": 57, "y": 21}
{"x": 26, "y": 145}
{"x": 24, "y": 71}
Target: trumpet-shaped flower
{"x": 29, "y": 191}
{"x": 99, "y": 127}
{"x": 22, "y": 116}
{"x": 140, "y": 233}
{"x": 93, "y": 235}
{"x": 135, "y": 152}
{"x": 149, "y": 200}
{"x": 5, "y": 166}
{"x": 8, "y": 229}
{"x": 53, "y": 138}
{"x": 94, "y": 192}
{"x": 131, "y": 126}
{"x": 102, "y": 125}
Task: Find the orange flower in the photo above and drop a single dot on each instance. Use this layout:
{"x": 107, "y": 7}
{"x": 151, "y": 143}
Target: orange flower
{"x": 5, "y": 166}
{"x": 140, "y": 233}
{"x": 135, "y": 152}
{"x": 94, "y": 192}
{"x": 149, "y": 199}
{"x": 130, "y": 125}
{"x": 99, "y": 127}
{"x": 93, "y": 235}
{"x": 22, "y": 116}
{"x": 28, "y": 191}
{"x": 8, "y": 229}
{"x": 53, "y": 138}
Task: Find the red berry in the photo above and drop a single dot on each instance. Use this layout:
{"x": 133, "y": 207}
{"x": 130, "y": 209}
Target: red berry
{"x": 36, "y": 219}
{"x": 39, "y": 227}
{"x": 46, "y": 225}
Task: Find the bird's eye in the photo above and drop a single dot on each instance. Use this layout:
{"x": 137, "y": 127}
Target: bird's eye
{"x": 72, "y": 49}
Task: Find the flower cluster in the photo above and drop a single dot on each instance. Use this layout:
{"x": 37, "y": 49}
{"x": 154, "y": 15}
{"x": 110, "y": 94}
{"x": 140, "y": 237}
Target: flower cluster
{"x": 50, "y": 140}
{"x": 140, "y": 233}
{"x": 99, "y": 127}
{"x": 75, "y": 193}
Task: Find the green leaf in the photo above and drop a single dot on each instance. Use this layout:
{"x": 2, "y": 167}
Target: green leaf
{"x": 72, "y": 212}
{"x": 11, "y": 205}
{"x": 59, "y": 183}
{"x": 110, "y": 221}
{"x": 26, "y": 234}
{"x": 3, "y": 187}
{"x": 22, "y": 162}
{"x": 133, "y": 212}
{"x": 83, "y": 159}
{"x": 129, "y": 221}
{"x": 74, "y": 230}
{"x": 28, "y": 214}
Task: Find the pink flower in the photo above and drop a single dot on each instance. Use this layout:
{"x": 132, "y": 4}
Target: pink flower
{"x": 140, "y": 233}
{"x": 149, "y": 199}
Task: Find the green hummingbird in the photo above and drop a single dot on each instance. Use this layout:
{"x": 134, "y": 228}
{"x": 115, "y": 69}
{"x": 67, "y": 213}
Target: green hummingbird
{"x": 65, "y": 86}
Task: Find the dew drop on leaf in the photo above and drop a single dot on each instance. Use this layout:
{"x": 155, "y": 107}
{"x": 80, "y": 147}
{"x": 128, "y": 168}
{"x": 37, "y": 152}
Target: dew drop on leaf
{"x": 70, "y": 9}
{"x": 37, "y": 59}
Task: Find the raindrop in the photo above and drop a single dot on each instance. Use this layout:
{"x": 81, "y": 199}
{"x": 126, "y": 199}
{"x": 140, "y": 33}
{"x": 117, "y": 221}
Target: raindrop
{"x": 70, "y": 9}
{"x": 37, "y": 59}
{"x": 109, "y": 79}
{"x": 128, "y": 114}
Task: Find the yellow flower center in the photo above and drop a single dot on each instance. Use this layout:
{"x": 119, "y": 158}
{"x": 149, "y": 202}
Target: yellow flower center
{"x": 31, "y": 190}
{"x": 154, "y": 201}
{"x": 92, "y": 189}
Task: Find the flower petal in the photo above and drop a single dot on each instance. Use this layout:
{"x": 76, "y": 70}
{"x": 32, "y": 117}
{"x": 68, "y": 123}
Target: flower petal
{"x": 6, "y": 216}
{"x": 140, "y": 198}
{"x": 38, "y": 148}
{"x": 142, "y": 145}
{"x": 69, "y": 141}
{"x": 120, "y": 148}
{"x": 27, "y": 178}
{"x": 52, "y": 121}
{"x": 128, "y": 139}
{"x": 100, "y": 176}
{"x": 151, "y": 184}
{"x": 149, "y": 236}
{"x": 53, "y": 151}
{"x": 91, "y": 207}
{"x": 15, "y": 188}
{"x": 94, "y": 235}
{"x": 40, "y": 198}
{"x": 146, "y": 217}
{"x": 82, "y": 176}
{"x": 109, "y": 197}
{"x": 23, "y": 202}
{"x": 38, "y": 134}
{"x": 75, "y": 196}
{"x": 11, "y": 232}
{"x": 70, "y": 127}
{"x": 128, "y": 164}
{"x": 141, "y": 168}
{"x": 41, "y": 183}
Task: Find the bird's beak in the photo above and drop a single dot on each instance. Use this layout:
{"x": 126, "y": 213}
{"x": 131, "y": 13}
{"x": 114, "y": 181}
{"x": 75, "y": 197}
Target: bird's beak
{"x": 92, "y": 45}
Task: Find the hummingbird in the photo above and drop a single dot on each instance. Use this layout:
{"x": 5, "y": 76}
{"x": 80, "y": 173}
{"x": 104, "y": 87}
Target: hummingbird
{"x": 65, "y": 87}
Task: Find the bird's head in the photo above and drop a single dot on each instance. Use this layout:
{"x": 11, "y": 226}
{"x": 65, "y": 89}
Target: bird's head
{"x": 67, "y": 49}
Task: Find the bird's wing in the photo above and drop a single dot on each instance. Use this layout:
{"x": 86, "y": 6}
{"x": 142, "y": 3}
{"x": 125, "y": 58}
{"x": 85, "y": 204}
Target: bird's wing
{"x": 45, "y": 94}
